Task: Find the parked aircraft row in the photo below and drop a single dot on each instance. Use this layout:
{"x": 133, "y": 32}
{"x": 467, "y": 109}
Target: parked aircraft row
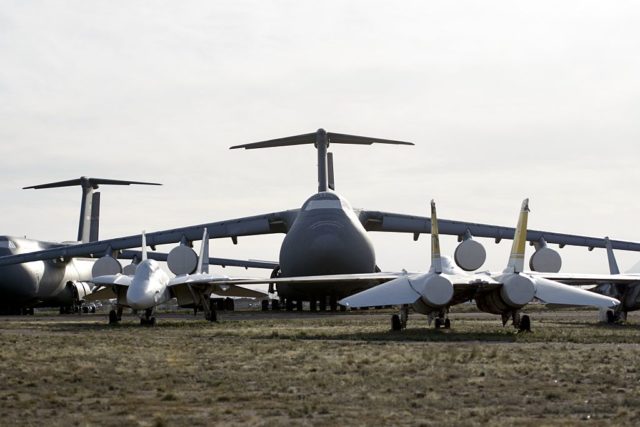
{"x": 504, "y": 293}
{"x": 325, "y": 237}
{"x": 65, "y": 282}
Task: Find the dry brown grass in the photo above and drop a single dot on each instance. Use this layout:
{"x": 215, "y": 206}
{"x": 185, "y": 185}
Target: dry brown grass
{"x": 253, "y": 368}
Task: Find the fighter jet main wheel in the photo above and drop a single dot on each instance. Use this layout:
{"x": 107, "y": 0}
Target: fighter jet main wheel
{"x": 447, "y": 323}
{"x": 113, "y": 317}
{"x": 438, "y": 323}
{"x": 525, "y": 324}
{"x": 611, "y": 317}
{"x": 396, "y": 324}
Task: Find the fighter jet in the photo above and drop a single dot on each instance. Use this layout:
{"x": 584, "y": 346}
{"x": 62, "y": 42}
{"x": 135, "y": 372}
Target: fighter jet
{"x": 504, "y": 293}
{"x": 625, "y": 287}
{"x": 150, "y": 286}
{"x": 327, "y": 236}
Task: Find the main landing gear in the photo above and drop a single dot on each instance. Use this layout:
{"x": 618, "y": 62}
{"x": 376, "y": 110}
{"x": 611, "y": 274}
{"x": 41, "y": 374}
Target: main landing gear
{"x": 399, "y": 321}
{"x": 115, "y": 316}
{"x": 521, "y": 322}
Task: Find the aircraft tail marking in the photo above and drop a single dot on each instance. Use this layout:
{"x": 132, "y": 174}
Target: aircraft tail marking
{"x": 516, "y": 259}
{"x": 436, "y": 260}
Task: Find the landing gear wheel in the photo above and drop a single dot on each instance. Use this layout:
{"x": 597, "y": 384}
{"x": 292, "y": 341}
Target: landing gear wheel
{"x": 152, "y": 321}
{"x": 447, "y": 323}
{"x": 438, "y": 323}
{"x": 525, "y": 324}
{"x": 396, "y": 325}
{"x": 611, "y": 317}
{"x": 113, "y": 317}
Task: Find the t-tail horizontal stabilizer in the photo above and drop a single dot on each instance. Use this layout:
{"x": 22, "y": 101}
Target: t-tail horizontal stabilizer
{"x": 321, "y": 139}
{"x": 89, "y": 225}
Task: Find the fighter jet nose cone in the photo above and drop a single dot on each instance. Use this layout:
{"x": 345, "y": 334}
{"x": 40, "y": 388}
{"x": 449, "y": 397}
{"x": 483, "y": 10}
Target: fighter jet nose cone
{"x": 138, "y": 299}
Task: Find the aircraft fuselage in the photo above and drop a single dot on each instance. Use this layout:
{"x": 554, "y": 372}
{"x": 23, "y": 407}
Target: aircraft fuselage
{"x": 38, "y": 283}
{"x": 326, "y": 238}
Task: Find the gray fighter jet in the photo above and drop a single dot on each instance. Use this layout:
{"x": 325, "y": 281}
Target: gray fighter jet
{"x": 327, "y": 236}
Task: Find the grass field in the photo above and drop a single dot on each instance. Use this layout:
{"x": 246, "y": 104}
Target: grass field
{"x": 274, "y": 369}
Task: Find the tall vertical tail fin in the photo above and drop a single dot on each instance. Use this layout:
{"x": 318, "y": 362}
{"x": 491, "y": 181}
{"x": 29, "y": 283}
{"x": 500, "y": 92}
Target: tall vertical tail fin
{"x": 613, "y": 264}
{"x": 436, "y": 260}
{"x": 516, "y": 259}
{"x": 90, "y": 204}
{"x": 203, "y": 259}
{"x": 144, "y": 245}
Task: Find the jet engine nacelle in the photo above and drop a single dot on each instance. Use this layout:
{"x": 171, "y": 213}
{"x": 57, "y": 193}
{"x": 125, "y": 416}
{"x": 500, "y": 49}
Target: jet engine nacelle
{"x": 182, "y": 260}
{"x": 545, "y": 260}
{"x": 436, "y": 291}
{"x": 515, "y": 292}
{"x": 470, "y": 255}
{"x": 105, "y": 266}
{"x": 79, "y": 290}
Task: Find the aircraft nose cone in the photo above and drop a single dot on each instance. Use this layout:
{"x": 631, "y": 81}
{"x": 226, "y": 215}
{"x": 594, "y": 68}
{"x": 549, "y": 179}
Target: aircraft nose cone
{"x": 139, "y": 299}
{"x": 19, "y": 285}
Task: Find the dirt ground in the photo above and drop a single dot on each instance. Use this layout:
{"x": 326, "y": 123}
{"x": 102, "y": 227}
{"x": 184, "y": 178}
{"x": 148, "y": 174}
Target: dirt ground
{"x": 255, "y": 368}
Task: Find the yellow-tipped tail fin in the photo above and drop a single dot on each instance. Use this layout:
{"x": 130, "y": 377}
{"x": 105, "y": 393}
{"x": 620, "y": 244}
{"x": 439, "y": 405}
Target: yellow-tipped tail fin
{"x": 436, "y": 261}
{"x": 516, "y": 259}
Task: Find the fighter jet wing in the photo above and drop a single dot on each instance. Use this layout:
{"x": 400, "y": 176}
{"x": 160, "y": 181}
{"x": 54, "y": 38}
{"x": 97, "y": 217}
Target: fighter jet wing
{"x": 399, "y": 223}
{"x": 112, "y": 279}
{"x": 276, "y": 222}
{"x": 217, "y": 284}
{"x": 404, "y": 290}
{"x": 107, "y": 286}
{"x": 302, "y": 280}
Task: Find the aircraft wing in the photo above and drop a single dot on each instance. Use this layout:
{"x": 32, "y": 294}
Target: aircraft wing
{"x": 216, "y": 284}
{"x": 588, "y": 279}
{"x": 402, "y": 290}
{"x": 276, "y": 222}
{"x": 553, "y": 292}
{"x": 399, "y": 223}
{"x": 106, "y": 286}
{"x": 112, "y": 279}
{"x": 223, "y": 262}
{"x": 302, "y": 280}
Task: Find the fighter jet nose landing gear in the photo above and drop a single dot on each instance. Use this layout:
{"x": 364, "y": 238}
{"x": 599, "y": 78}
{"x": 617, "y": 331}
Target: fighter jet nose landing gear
{"x": 148, "y": 319}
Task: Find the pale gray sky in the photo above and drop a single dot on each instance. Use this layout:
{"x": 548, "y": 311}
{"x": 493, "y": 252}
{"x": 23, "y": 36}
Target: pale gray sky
{"x": 504, "y": 100}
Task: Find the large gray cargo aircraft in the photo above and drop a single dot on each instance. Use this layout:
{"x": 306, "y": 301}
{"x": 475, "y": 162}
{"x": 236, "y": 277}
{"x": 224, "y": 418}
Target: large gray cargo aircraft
{"x": 327, "y": 236}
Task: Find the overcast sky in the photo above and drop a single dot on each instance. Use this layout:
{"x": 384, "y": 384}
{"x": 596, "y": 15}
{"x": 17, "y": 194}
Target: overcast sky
{"x": 504, "y": 100}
